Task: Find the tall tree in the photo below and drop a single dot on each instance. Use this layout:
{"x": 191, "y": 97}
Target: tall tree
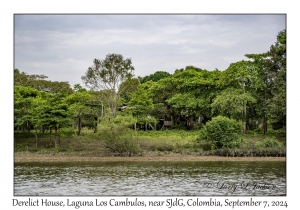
{"x": 263, "y": 93}
{"x": 239, "y": 80}
{"x": 54, "y": 114}
{"x": 195, "y": 91}
{"x": 271, "y": 96}
{"x": 78, "y": 107}
{"x": 277, "y": 105}
{"x": 108, "y": 74}
{"x": 35, "y": 110}
{"x": 23, "y": 98}
{"x": 141, "y": 106}
{"x": 233, "y": 103}
{"x": 160, "y": 92}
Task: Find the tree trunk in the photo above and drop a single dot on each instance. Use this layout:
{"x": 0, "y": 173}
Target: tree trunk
{"x": 96, "y": 124}
{"x": 36, "y": 138}
{"x": 59, "y": 138}
{"x": 172, "y": 120}
{"x": 43, "y": 131}
{"x": 199, "y": 122}
{"x": 245, "y": 110}
{"x": 265, "y": 125}
{"x": 79, "y": 126}
{"x": 245, "y": 119}
{"x": 114, "y": 105}
{"x": 27, "y": 127}
{"x": 55, "y": 137}
{"x": 50, "y": 135}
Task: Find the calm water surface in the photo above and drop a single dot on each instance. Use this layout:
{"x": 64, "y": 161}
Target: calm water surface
{"x": 150, "y": 179}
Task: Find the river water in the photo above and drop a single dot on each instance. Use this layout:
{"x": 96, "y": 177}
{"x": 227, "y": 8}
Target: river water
{"x": 150, "y": 179}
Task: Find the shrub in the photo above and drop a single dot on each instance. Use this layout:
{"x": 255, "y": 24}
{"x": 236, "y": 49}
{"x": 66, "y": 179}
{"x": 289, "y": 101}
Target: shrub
{"x": 163, "y": 147}
{"x": 222, "y": 132}
{"x": 281, "y": 132}
{"x": 207, "y": 146}
{"x": 258, "y": 130}
{"x": 255, "y": 152}
{"x": 67, "y": 132}
{"x": 118, "y": 137}
{"x": 269, "y": 142}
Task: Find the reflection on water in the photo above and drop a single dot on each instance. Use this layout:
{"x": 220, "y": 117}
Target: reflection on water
{"x": 151, "y": 178}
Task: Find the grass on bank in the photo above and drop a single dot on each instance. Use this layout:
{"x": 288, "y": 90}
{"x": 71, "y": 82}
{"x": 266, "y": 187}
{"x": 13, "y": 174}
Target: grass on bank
{"x": 154, "y": 142}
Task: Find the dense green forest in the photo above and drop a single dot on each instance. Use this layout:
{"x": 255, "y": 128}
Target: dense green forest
{"x": 212, "y": 110}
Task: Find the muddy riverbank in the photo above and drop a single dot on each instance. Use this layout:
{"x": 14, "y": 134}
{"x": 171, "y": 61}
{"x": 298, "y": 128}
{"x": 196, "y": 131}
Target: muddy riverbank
{"x": 59, "y": 157}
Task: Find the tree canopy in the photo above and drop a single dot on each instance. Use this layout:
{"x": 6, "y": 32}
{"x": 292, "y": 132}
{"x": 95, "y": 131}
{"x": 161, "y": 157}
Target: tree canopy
{"x": 108, "y": 74}
{"x": 251, "y": 91}
{"x": 156, "y": 76}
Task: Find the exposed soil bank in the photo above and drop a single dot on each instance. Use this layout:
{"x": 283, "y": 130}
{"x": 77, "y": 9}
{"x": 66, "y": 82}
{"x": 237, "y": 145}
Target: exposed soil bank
{"x": 35, "y": 157}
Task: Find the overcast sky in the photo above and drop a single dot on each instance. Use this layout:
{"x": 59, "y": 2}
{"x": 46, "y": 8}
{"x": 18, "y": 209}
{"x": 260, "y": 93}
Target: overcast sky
{"x": 62, "y": 47}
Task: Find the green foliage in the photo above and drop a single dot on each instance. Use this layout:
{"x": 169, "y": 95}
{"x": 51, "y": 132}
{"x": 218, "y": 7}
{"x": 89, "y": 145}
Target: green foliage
{"x": 78, "y": 88}
{"x": 28, "y": 103}
{"x": 185, "y": 95}
{"x": 156, "y": 76}
{"x": 277, "y": 133}
{"x": 188, "y": 104}
{"x": 167, "y": 141}
{"x": 36, "y": 104}
{"x": 231, "y": 103}
{"x": 23, "y": 79}
{"x": 241, "y": 74}
{"x": 171, "y": 135}
{"x": 258, "y": 130}
{"x": 140, "y": 102}
{"x": 222, "y": 132}
{"x": 53, "y": 112}
{"x": 140, "y": 106}
{"x": 117, "y": 135}
{"x": 269, "y": 142}
{"x": 252, "y": 91}
{"x": 108, "y": 74}
{"x": 67, "y": 132}
{"x": 271, "y": 96}
{"x": 277, "y": 105}
{"x": 207, "y": 146}
{"x": 127, "y": 88}
{"x": 253, "y": 152}
{"x": 277, "y": 108}
{"x": 123, "y": 119}
{"x": 39, "y": 83}
{"x": 78, "y": 106}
